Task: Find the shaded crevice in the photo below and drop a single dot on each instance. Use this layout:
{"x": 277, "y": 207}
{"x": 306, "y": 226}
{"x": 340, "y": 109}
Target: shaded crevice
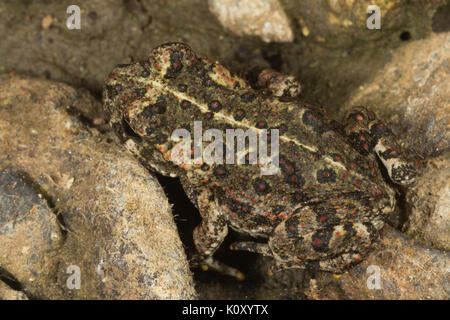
{"x": 273, "y": 56}
{"x": 11, "y": 281}
{"x": 187, "y": 217}
{"x": 441, "y": 20}
{"x": 48, "y": 199}
{"x": 85, "y": 120}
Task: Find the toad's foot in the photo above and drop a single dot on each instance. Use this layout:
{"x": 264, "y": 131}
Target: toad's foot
{"x": 209, "y": 263}
{"x": 368, "y": 134}
{"x": 281, "y": 85}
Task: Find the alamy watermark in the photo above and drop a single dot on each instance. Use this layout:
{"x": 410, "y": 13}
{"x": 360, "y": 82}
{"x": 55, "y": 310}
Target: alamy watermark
{"x": 374, "y": 19}
{"x": 74, "y": 20}
{"x": 374, "y": 280}
{"x": 74, "y": 280}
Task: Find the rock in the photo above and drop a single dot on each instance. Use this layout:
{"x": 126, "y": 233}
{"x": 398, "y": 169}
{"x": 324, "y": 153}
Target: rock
{"x": 30, "y": 236}
{"x": 429, "y": 200}
{"x": 112, "y": 32}
{"x": 324, "y": 289}
{"x": 118, "y": 226}
{"x": 263, "y": 18}
{"x": 46, "y": 22}
{"x": 7, "y": 293}
{"x": 397, "y": 269}
{"x": 407, "y": 271}
{"x": 412, "y": 93}
{"x": 335, "y": 23}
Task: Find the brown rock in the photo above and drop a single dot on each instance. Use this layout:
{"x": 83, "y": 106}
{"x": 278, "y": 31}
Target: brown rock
{"x": 412, "y": 93}
{"x": 407, "y": 271}
{"x": 263, "y": 18}
{"x": 118, "y": 226}
{"x": 336, "y": 23}
{"x": 397, "y": 269}
{"x": 6, "y": 293}
{"x": 46, "y": 22}
{"x": 30, "y": 236}
{"x": 429, "y": 218}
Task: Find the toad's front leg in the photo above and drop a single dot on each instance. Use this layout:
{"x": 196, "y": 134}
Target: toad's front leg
{"x": 209, "y": 235}
{"x": 368, "y": 134}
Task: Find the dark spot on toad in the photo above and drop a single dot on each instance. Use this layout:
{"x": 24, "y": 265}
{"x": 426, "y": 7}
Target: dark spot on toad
{"x": 239, "y": 114}
{"x": 320, "y": 240}
{"x": 283, "y": 128}
{"x": 220, "y": 171}
{"x": 175, "y": 65}
{"x": 214, "y": 106}
{"x": 326, "y": 215}
{"x": 291, "y": 226}
{"x": 404, "y": 173}
{"x": 350, "y": 231}
{"x": 159, "y": 107}
{"x": 261, "y": 186}
{"x": 311, "y": 119}
{"x": 300, "y": 197}
{"x": 182, "y": 87}
{"x": 209, "y": 115}
{"x": 287, "y": 166}
{"x": 261, "y": 124}
{"x": 379, "y": 130}
{"x": 361, "y": 142}
{"x": 326, "y": 175}
{"x": 296, "y": 179}
{"x": 161, "y": 139}
{"x": 185, "y": 104}
{"x": 140, "y": 92}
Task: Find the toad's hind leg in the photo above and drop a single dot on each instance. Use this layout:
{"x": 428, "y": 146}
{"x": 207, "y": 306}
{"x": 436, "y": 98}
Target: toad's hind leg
{"x": 368, "y": 134}
{"x": 331, "y": 244}
{"x": 209, "y": 235}
{"x": 282, "y": 85}
{"x": 251, "y": 246}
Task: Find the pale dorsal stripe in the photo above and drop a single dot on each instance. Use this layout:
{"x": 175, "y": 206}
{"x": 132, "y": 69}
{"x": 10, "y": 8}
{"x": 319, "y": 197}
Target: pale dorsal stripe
{"x": 204, "y": 109}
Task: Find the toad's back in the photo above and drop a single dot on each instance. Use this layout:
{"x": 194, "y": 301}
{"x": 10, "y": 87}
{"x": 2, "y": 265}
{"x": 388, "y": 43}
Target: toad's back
{"x": 175, "y": 88}
{"x": 324, "y": 204}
